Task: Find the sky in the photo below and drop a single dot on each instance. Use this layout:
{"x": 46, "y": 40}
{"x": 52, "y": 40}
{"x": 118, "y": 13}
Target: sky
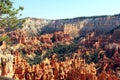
{"x": 59, "y": 9}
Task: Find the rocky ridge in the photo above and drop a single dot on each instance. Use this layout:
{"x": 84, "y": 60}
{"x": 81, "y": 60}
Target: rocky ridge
{"x": 75, "y": 27}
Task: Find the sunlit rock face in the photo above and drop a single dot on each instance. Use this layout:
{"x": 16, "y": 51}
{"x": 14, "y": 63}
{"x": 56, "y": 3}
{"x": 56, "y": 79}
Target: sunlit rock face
{"x": 6, "y": 63}
{"x": 33, "y": 26}
{"x": 75, "y": 26}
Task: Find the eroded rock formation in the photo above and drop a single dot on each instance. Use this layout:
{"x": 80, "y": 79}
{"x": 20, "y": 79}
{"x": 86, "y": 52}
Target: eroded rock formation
{"x": 57, "y": 55}
{"x": 75, "y": 26}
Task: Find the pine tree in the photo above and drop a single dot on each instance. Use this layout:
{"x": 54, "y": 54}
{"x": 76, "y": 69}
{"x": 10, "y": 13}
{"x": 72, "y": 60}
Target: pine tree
{"x": 8, "y": 14}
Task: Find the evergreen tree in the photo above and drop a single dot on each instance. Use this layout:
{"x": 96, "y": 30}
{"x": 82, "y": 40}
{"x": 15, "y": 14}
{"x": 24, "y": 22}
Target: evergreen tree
{"x": 8, "y": 14}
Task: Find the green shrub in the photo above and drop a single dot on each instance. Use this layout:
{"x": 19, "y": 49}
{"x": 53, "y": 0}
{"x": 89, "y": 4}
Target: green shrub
{"x": 4, "y": 38}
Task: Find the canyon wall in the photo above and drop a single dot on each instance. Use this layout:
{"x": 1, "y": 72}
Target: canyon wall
{"x": 75, "y": 27}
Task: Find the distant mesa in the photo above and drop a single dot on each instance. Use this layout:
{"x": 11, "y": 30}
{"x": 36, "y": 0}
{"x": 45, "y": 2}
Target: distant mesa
{"x": 75, "y": 27}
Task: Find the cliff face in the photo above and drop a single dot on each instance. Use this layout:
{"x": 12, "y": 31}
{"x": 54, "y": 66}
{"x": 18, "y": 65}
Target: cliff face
{"x": 75, "y": 26}
{"x": 6, "y": 63}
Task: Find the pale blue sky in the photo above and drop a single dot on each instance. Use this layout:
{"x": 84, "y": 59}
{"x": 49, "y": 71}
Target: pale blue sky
{"x": 58, "y": 9}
